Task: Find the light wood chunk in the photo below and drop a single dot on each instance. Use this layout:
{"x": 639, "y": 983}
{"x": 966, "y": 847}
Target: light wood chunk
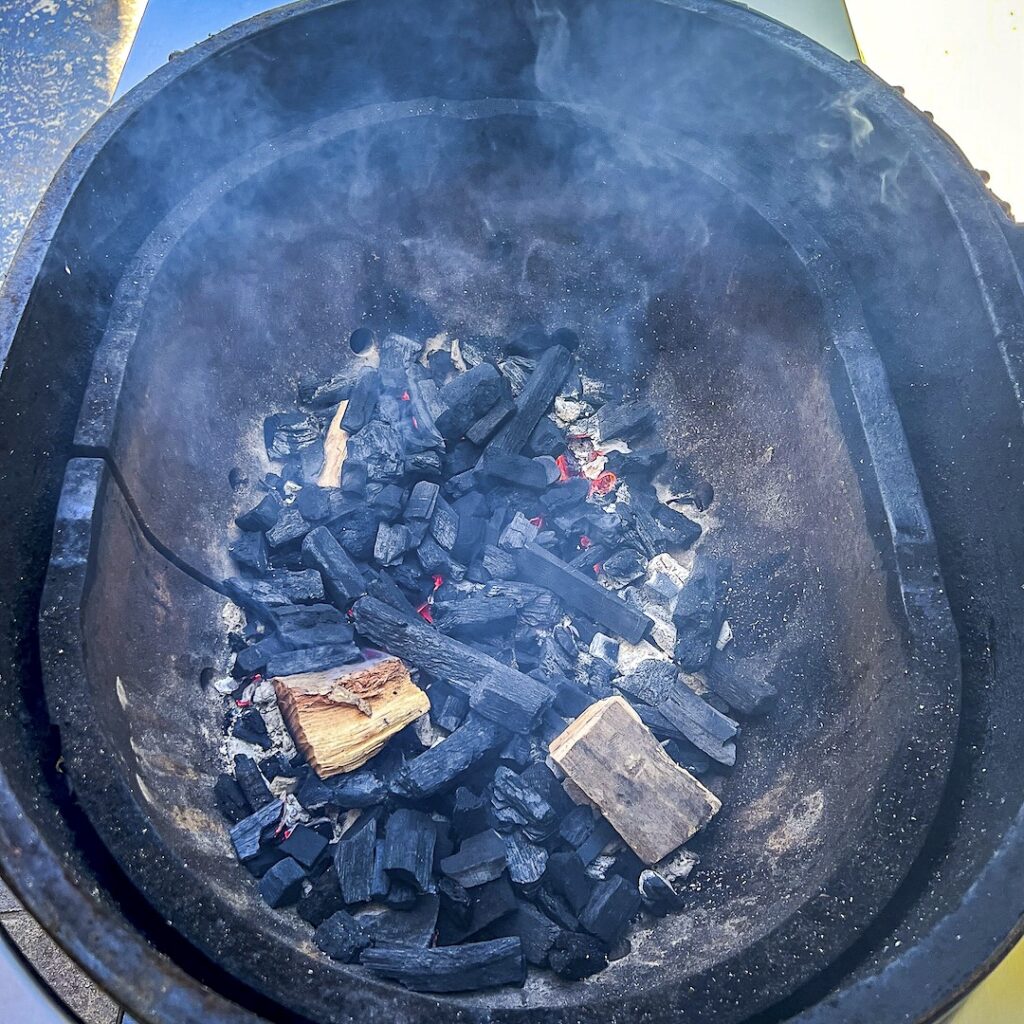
{"x": 342, "y": 717}
{"x": 615, "y": 760}
{"x": 335, "y": 449}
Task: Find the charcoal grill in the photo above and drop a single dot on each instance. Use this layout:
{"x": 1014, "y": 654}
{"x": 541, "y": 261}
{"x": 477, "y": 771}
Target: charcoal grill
{"x": 823, "y": 303}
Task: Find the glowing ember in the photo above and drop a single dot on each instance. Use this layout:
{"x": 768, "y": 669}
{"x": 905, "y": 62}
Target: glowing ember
{"x": 564, "y": 470}
{"x": 425, "y": 612}
{"x": 598, "y": 566}
{"x": 438, "y": 580}
{"x": 242, "y": 703}
{"x": 538, "y": 521}
{"x": 405, "y": 396}
{"x": 603, "y": 483}
{"x": 415, "y": 424}
{"x": 585, "y": 542}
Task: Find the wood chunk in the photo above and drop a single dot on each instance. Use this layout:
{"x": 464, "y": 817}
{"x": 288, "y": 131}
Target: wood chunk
{"x": 443, "y": 765}
{"x": 652, "y": 803}
{"x": 481, "y": 858}
{"x": 534, "y": 400}
{"x": 245, "y": 836}
{"x": 409, "y": 848}
{"x": 540, "y": 567}
{"x": 613, "y": 904}
{"x": 745, "y": 692}
{"x": 335, "y": 447}
{"x": 422, "y": 646}
{"x": 326, "y": 712}
{"x": 343, "y": 582}
{"x": 354, "y": 863}
{"x": 450, "y": 968}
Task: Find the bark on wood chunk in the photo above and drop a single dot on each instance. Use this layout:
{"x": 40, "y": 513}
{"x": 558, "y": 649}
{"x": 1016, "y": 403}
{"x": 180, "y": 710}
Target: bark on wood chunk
{"x": 651, "y": 802}
{"x": 335, "y": 447}
{"x": 326, "y": 712}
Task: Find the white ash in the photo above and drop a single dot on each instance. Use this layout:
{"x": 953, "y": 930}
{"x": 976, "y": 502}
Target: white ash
{"x": 600, "y": 866}
{"x": 677, "y": 866}
{"x": 724, "y": 636}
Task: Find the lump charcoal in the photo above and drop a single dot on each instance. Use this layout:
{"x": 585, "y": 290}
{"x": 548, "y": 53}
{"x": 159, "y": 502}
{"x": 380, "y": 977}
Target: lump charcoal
{"x": 250, "y": 779}
{"x": 531, "y": 342}
{"x": 387, "y": 501}
{"x": 277, "y": 587}
{"x": 699, "y": 611}
{"x": 353, "y": 477}
{"x": 612, "y": 906}
{"x": 466, "y": 397}
{"x": 687, "y": 756}
{"x": 516, "y": 370}
{"x": 599, "y": 839}
{"x": 469, "y": 538}
{"x": 525, "y": 797}
{"x": 651, "y": 681}
{"x": 494, "y": 700}
{"x": 482, "y": 429}
{"x": 498, "y": 563}
{"x": 474, "y": 615}
{"x": 623, "y": 421}
{"x": 647, "y": 530}
{"x": 575, "y": 828}
{"x": 640, "y": 461}
{"x": 314, "y": 503}
{"x": 534, "y": 400}
{"x": 555, "y": 907}
{"x": 566, "y": 876}
{"x": 289, "y": 433}
{"x": 425, "y": 463}
{"x": 316, "y": 636}
{"x": 444, "y": 524}
{"x": 604, "y": 647}
{"x": 245, "y": 836}
{"x": 423, "y": 647}
{"x": 513, "y": 470}
{"x": 481, "y": 858}
{"x": 572, "y": 493}
{"x": 354, "y": 862}
{"x": 304, "y": 845}
{"x": 450, "y": 969}
{"x": 290, "y": 527}
{"x": 391, "y": 544}
{"x": 526, "y": 861}
{"x": 739, "y": 688}
{"x": 342, "y": 579}
{"x": 443, "y": 765}
{"x": 356, "y": 532}
{"x": 470, "y": 813}
{"x": 400, "y": 896}
{"x": 380, "y": 885}
{"x": 574, "y": 956}
{"x": 359, "y": 789}
{"x": 538, "y": 608}
{"x": 448, "y": 709}
{"x": 231, "y": 799}
{"x": 258, "y": 866}
{"x": 491, "y": 902}
{"x": 282, "y": 884}
{"x": 623, "y": 567}
{"x": 707, "y": 729}
{"x": 321, "y": 394}
{"x": 397, "y": 354}
{"x": 421, "y": 501}
{"x": 312, "y": 659}
{"x": 547, "y": 438}
{"x": 657, "y": 894}
{"x": 535, "y": 930}
{"x": 414, "y": 927}
{"x": 543, "y": 568}
{"x": 341, "y": 937}
{"x": 409, "y": 848}
{"x": 456, "y": 904}
{"x": 385, "y": 589}
{"x": 681, "y": 531}
{"x": 462, "y": 458}
{"x": 322, "y": 900}
{"x": 519, "y": 532}
{"x": 249, "y": 727}
{"x": 263, "y": 516}
{"x": 254, "y": 658}
{"x": 362, "y": 402}
{"x": 250, "y": 551}
{"x": 379, "y": 448}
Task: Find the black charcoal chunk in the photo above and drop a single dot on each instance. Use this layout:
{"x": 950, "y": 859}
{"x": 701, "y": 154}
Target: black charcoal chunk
{"x": 414, "y": 927}
{"x": 250, "y": 728}
{"x": 470, "y": 813}
{"x": 491, "y": 902}
{"x": 313, "y": 659}
{"x": 421, "y": 501}
{"x": 391, "y": 544}
{"x": 612, "y": 906}
{"x": 534, "y": 400}
{"x": 474, "y": 615}
{"x": 250, "y": 551}
{"x": 362, "y": 402}
{"x": 250, "y": 779}
{"x": 342, "y": 579}
{"x": 466, "y": 398}
{"x": 379, "y": 448}
{"x": 658, "y": 895}
{"x": 739, "y": 687}
{"x": 282, "y": 884}
{"x": 651, "y": 681}
{"x": 536, "y": 931}
{"x": 230, "y": 799}
{"x": 481, "y": 430}
{"x": 304, "y": 845}
{"x": 409, "y": 848}
{"x": 624, "y": 421}
{"x": 322, "y": 900}
{"x": 245, "y": 836}
{"x": 601, "y": 837}
{"x": 289, "y": 433}
{"x": 567, "y": 876}
{"x": 290, "y": 527}
{"x": 277, "y": 587}
{"x": 341, "y": 937}
{"x": 519, "y": 532}
{"x": 513, "y": 470}
{"x": 354, "y": 862}
{"x": 263, "y": 516}
{"x": 547, "y": 439}
{"x": 254, "y": 658}
{"x": 450, "y": 969}
{"x": 321, "y": 393}
{"x": 314, "y": 503}
{"x": 575, "y": 828}
{"x": 574, "y": 956}
{"x": 681, "y": 531}
{"x": 624, "y": 566}
{"x": 526, "y": 861}
{"x": 481, "y": 858}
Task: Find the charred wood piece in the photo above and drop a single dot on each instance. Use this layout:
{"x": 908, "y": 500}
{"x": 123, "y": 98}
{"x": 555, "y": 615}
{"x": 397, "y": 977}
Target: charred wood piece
{"x": 451, "y": 968}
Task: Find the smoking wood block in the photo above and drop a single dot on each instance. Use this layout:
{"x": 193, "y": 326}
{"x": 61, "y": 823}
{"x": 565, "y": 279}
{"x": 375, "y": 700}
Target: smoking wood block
{"x": 745, "y": 692}
{"x": 343, "y": 582}
{"x": 335, "y": 447}
{"x": 409, "y": 848}
{"x": 652, "y": 803}
{"x": 443, "y": 765}
{"x": 451, "y": 968}
{"x": 540, "y": 567}
{"x": 354, "y": 862}
{"x": 481, "y": 858}
{"x": 534, "y": 400}
{"x": 343, "y": 716}
{"x": 422, "y": 646}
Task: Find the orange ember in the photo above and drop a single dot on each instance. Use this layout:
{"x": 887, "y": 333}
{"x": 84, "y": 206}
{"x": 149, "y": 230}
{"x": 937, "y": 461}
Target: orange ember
{"x": 564, "y": 472}
{"x": 603, "y": 483}
{"x": 585, "y": 542}
{"x": 425, "y": 613}
{"x": 538, "y": 521}
{"x": 438, "y": 580}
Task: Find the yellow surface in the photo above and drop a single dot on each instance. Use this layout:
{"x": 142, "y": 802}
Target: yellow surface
{"x": 963, "y": 60}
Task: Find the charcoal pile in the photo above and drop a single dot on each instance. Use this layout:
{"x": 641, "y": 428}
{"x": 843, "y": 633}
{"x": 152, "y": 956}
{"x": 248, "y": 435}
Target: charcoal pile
{"x": 481, "y": 668}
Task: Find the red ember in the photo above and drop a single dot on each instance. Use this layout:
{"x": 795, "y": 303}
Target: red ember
{"x": 538, "y": 521}
{"x": 598, "y": 566}
{"x": 585, "y": 542}
{"x": 564, "y": 470}
{"x": 438, "y": 580}
{"x": 425, "y": 612}
{"x": 603, "y": 483}
{"x": 405, "y": 396}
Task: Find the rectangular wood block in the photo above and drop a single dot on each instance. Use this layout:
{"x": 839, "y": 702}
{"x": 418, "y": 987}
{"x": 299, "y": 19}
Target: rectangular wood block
{"x": 609, "y": 755}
